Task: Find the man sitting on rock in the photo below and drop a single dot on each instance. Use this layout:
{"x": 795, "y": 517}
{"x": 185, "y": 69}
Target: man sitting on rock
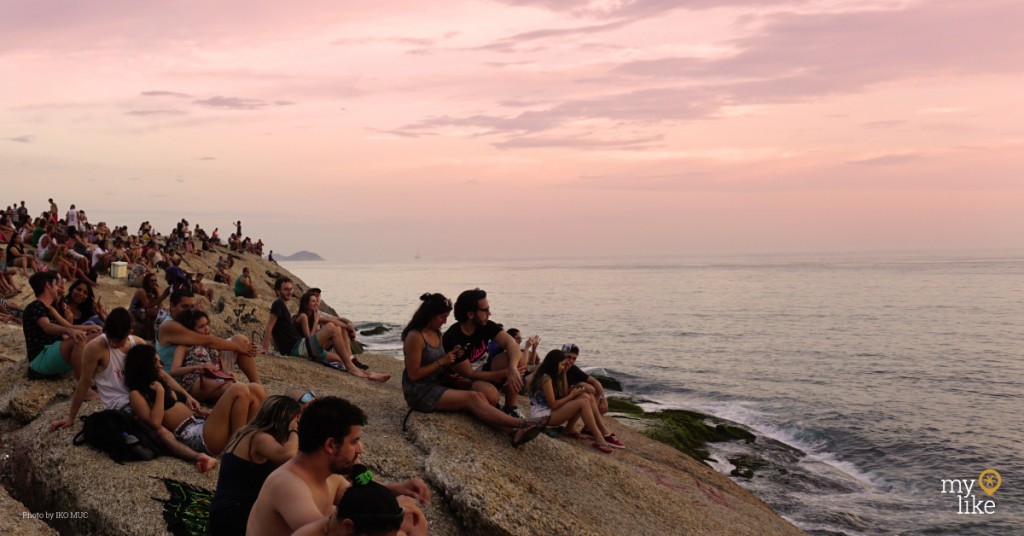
{"x": 472, "y": 331}
{"x": 103, "y": 363}
{"x": 52, "y": 349}
{"x": 244, "y": 286}
{"x": 588, "y": 383}
{"x": 171, "y": 333}
{"x": 304, "y": 489}
{"x": 289, "y": 340}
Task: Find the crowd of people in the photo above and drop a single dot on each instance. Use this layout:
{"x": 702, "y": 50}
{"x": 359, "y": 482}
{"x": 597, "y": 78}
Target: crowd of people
{"x": 282, "y": 457}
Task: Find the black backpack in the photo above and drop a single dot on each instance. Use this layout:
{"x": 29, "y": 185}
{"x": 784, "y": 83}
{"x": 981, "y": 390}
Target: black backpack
{"x": 119, "y": 435}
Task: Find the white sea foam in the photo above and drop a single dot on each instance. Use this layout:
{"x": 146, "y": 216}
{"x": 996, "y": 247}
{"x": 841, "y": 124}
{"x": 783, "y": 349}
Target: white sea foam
{"x": 743, "y": 412}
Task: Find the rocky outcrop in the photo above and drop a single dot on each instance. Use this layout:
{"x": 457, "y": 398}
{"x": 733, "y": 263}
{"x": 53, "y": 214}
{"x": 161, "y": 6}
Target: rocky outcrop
{"x": 481, "y": 484}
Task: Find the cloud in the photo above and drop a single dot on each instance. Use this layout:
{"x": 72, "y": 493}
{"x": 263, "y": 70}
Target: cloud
{"x": 166, "y": 94}
{"x": 887, "y": 160}
{"x": 206, "y": 158}
{"x": 155, "y": 112}
{"x": 422, "y": 45}
{"x": 883, "y": 124}
{"x": 646, "y": 106}
{"x": 635, "y": 8}
{"x": 794, "y": 56}
{"x": 579, "y": 142}
{"x": 510, "y": 44}
{"x": 237, "y": 103}
{"x": 398, "y": 133}
{"x": 944, "y": 110}
{"x": 788, "y": 57}
{"x": 27, "y": 138}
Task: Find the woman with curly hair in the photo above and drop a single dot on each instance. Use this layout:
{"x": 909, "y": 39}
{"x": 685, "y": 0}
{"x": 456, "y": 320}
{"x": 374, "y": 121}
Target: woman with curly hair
{"x": 156, "y": 405}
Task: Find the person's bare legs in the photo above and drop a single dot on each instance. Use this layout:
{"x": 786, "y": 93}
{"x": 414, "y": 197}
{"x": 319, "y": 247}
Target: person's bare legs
{"x": 257, "y": 394}
{"x": 331, "y": 337}
{"x": 208, "y": 389}
{"x": 476, "y": 403}
{"x": 596, "y": 409}
{"x": 487, "y": 389}
{"x": 577, "y": 407}
{"x": 246, "y": 362}
{"x": 179, "y": 450}
{"x": 230, "y": 414}
{"x": 500, "y": 364}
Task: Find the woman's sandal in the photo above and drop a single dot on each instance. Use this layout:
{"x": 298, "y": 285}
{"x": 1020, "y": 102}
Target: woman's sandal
{"x": 602, "y": 448}
{"x": 574, "y": 435}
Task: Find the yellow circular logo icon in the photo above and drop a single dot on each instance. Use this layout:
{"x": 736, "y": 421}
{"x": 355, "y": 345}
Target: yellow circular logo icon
{"x": 989, "y": 480}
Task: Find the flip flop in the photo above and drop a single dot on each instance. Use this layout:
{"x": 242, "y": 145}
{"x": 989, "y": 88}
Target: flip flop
{"x": 527, "y": 433}
{"x": 576, "y": 435}
{"x": 602, "y": 448}
{"x": 521, "y": 436}
{"x": 338, "y": 365}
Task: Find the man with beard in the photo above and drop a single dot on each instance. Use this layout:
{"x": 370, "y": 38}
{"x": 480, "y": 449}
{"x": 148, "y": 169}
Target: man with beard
{"x": 305, "y": 489}
{"x": 473, "y": 331}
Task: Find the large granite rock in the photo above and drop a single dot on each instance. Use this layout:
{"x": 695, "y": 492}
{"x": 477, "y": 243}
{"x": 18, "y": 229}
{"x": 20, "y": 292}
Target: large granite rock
{"x": 481, "y": 484}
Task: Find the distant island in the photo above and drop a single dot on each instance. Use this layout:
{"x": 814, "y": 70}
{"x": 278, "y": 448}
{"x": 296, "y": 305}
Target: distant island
{"x": 299, "y": 256}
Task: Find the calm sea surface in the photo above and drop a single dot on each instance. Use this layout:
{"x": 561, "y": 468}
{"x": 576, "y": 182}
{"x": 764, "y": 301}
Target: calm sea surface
{"x": 869, "y": 379}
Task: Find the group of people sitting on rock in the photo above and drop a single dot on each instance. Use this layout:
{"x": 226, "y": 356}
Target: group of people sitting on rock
{"x": 282, "y": 455}
{"x": 311, "y": 441}
{"x": 475, "y": 360}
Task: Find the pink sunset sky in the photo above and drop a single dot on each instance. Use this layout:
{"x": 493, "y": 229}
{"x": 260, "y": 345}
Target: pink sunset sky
{"x": 525, "y": 128}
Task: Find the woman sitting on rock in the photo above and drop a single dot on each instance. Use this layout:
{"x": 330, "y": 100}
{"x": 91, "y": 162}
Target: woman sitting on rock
{"x": 85, "y": 308}
{"x": 156, "y": 405}
{"x": 425, "y": 380}
{"x": 252, "y": 454}
{"x": 198, "y": 368}
{"x": 6, "y": 227}
{"x": 307, "y": 321}
{"x": 16, "y": 257}
{"x": 551, "y": 397}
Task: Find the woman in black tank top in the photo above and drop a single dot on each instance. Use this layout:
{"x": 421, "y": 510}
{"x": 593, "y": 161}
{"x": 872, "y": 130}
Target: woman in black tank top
{"x": 252, "y": 454}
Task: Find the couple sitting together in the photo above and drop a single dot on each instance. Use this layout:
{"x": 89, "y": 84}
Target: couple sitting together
{"x": 312, "y": 335}
{"x": 454, "y": 372}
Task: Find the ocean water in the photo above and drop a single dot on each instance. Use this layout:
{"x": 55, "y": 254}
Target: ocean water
{"x": 868, "y": 379}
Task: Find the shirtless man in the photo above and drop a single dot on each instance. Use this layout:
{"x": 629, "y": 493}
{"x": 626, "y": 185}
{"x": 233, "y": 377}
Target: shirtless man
{"x": 103, "y": 361}
{"x": 304, "y": 490}
{"x": 171, "y": 333}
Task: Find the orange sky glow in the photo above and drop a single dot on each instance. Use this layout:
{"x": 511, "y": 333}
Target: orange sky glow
{"x": 526, "y": 128}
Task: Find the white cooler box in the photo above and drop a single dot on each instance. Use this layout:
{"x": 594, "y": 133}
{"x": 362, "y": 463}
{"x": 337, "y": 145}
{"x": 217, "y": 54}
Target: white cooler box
{"x": 119, "y": 269}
